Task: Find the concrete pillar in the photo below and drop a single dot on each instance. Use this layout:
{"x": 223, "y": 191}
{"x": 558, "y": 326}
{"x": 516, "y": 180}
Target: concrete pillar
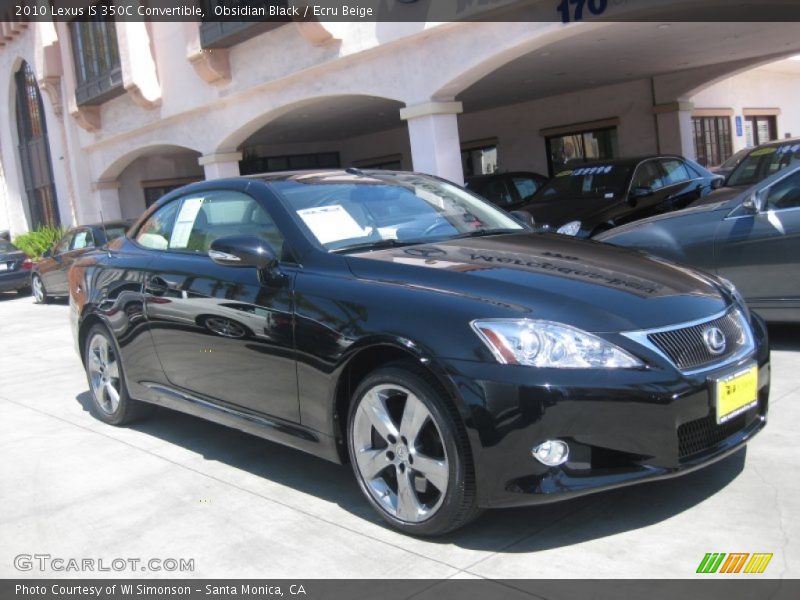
{"x": 221, "y": 166}
{"x": 435, "y": 145}
{"x": 107, "y": 195}
{"x": 675, "y": 129}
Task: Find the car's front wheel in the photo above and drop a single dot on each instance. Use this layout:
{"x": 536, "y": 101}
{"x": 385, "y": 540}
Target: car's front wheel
{"x": 410, "y": 452}
{"x": 110, "y": 398}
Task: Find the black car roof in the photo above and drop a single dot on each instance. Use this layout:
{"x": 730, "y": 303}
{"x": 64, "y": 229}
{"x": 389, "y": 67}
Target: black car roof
{"x": 116, "y": 223}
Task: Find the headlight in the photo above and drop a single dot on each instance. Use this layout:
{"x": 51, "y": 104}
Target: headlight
{"x": 571, "y": 228}
{"x": 737, "y": 296}
{"x": 553, "y": 345}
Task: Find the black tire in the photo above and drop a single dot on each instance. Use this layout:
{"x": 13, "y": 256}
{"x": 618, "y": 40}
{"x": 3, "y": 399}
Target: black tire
{"x": 38, "y": 284}
{"x": 125, "y": 410}
{"x": 458, "y": 505}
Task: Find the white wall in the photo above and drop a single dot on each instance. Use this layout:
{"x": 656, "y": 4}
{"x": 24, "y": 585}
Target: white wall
{"x": 148, "y": 168}
{"x": 767, "y": 87}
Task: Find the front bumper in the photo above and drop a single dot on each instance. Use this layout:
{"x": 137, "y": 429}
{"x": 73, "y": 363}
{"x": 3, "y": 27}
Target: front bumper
{"x": 623, "y": 427}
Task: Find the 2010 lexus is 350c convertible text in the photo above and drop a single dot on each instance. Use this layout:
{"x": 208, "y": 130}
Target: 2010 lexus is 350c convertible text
{"x": 398, "y": 322}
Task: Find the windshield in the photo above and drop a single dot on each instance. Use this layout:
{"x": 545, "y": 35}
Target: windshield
{"x": 597, "y": 181}
{"x": 763, "y": 162}
{"x": 358, "y": 211}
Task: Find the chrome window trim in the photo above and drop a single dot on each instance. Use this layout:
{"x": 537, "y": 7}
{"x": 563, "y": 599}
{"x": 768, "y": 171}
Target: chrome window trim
{"x": 641, "y": 337}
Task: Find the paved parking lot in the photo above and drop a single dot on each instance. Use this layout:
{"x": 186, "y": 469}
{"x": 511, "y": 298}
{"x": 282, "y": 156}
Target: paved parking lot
{"x": 179, "y": 487}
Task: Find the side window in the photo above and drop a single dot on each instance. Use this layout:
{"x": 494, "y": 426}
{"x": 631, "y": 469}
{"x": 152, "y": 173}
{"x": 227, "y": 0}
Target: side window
{"x": 526, "y": 187}
{"x": 64, "y": 244}
{"x": 648, "y": 175}
{"x": 82, "y": 239}
{"x": 785, "y": 194}
{"x": 675, "y": 171}
{"x": 495, "y": 190}
{"x": 156, "y": 231}
{"x": 191, "y": 223}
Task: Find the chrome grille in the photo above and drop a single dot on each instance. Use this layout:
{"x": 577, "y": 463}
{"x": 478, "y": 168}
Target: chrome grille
{"x": 686, "y": 346}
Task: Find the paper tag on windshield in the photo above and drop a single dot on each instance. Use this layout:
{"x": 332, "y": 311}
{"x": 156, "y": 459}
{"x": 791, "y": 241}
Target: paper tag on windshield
{"x": 185, "y": 221}
{"x": 331, "y": 223}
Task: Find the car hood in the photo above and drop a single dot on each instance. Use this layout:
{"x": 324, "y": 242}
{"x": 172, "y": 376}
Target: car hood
{"x": 593, "y": 286}
{"x": 556, "y": 213}
{"x": 722, "y": 194}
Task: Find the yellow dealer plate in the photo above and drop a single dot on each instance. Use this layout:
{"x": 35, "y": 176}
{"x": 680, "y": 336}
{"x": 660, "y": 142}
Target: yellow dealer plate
{"x": 736, "y": 394}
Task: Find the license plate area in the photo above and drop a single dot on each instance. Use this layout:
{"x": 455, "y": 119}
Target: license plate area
{"x": 4, "y": 266}
{"x": 735, "y": 394}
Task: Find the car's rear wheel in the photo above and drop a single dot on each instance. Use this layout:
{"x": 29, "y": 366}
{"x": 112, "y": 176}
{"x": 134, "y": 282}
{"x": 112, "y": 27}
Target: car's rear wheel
{"x": 110, "y": 398}
{"x": 38, "y": 290}
{"x": 410, "y": 452}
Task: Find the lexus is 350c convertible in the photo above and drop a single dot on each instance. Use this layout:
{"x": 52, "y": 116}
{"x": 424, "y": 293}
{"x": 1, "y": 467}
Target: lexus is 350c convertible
{"x": 395, "y": 321}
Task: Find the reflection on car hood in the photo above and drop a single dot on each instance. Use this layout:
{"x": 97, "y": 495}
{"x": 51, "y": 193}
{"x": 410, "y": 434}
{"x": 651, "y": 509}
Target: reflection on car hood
{"x": 589, "y": 285}
{"x": 722, "y": 194}
{"x": 698, "y": 208}
{"x": 560, "y": 211}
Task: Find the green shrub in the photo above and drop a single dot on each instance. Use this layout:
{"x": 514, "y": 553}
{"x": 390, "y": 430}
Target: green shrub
{"x": 35, "y": 243}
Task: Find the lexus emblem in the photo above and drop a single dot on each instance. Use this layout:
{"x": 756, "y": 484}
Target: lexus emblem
{"x": 425, "y": 252}
{"x": 715, "y": 340}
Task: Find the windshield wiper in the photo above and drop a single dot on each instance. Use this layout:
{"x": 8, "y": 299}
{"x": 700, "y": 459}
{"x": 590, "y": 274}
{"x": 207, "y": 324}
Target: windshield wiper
{"x": 378, "y": 245}
{"x": 486, "y": 233}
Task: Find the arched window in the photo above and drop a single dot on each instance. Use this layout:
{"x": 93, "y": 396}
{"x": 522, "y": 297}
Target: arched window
{"x": 34, "y": 151}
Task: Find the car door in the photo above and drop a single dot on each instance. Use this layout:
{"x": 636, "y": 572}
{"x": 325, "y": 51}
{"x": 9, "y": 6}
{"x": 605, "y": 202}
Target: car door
{"x": 650, "y": 177}
{"x": 81, "y": 242}
{"x": 759, "y": 251}
{"x": 223, "y": 333}
{"x": 50, "y": 268}
{"x": 682, "y": 185}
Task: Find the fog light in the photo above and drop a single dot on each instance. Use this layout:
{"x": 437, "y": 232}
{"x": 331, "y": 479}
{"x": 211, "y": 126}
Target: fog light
{"x": 551, "y": 453}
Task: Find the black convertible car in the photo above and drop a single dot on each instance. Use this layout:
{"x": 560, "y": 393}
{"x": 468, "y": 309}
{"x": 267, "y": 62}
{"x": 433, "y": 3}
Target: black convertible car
{"x": 596, "y": 196}
{"x": 399, "y": 322}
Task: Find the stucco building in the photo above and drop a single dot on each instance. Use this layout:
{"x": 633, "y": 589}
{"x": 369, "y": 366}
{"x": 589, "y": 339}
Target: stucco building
{"x": 108, "y": 116}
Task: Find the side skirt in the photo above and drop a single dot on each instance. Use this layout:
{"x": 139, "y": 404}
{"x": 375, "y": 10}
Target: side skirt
{"x": 276, "y": 430}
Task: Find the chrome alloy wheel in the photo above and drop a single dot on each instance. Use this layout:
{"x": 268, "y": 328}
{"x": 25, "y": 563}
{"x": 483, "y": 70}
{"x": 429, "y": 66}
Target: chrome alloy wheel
{"x": 103, "y": 373}
{"x": 399, "y": 453}
{"x": 38, "y": 289}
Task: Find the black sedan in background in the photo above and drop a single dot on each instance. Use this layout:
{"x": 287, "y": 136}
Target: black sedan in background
{"x": 399, "y": 322}
{"x": 15, "y": 269}
{"x": 596, "y": 196}
{"x": 507, "y": 190}
{"x": 751, "y": 238}
{"x": 49, "y": 278}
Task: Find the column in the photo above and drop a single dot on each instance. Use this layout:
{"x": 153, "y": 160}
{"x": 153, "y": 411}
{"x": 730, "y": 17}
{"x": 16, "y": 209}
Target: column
{"x": 107, "y": 195}
{"x": 222, "y": 165}
{"x": 435, "y": 145}
{"x": 675, "y": 129}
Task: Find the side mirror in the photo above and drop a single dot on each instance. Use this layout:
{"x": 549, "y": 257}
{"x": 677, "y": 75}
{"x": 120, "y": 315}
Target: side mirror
{"x": 243, "y": 251}
{"x": 717, "y": 182}
{"x": 640, "y": 191}
{"x": 755, "y": 202}
{"x": 524, "y": 218}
